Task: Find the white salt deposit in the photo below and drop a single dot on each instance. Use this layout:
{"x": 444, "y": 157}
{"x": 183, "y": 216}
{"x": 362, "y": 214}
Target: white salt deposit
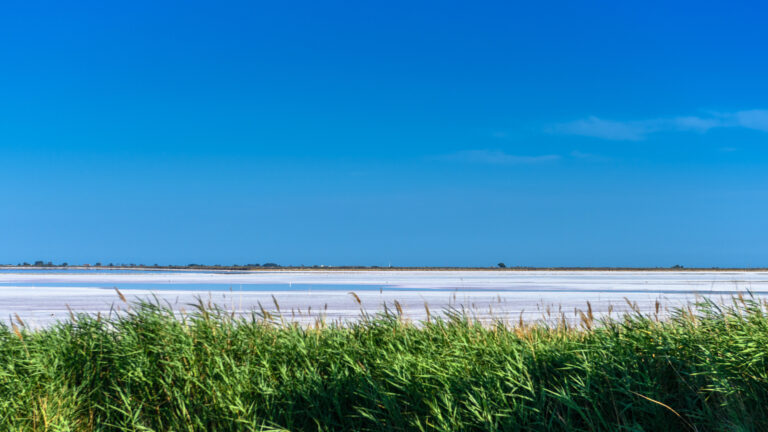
{"x": 42, "y": 298}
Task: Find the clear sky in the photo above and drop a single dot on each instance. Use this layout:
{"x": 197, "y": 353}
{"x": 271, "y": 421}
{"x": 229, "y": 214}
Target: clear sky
{"x": 412, "y": 133}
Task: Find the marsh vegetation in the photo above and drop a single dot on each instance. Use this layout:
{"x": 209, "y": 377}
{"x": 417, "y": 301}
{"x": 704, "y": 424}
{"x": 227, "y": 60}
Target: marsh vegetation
{"x": 702, "y": 368}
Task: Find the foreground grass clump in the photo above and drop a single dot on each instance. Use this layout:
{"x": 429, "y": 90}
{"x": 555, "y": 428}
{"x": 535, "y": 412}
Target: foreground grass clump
{"x": 702, "y": 369}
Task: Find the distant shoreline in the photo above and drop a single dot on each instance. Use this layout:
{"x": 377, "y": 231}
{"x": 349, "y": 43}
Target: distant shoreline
{"x": 227, "y": 269}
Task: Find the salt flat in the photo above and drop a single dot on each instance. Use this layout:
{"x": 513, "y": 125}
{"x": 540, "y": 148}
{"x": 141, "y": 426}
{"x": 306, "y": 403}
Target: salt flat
{"x": 40, "y": 298}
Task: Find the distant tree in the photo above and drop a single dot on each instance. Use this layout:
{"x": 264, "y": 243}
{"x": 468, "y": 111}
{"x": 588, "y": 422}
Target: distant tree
{"x": 269, "y": 264}
{"x": 64, "y": 264}
{"x": 677, "y": 267}
{"x": 39, "y": 264}
{"x": 501, "y": 265}
{"x": 98, "y": 264}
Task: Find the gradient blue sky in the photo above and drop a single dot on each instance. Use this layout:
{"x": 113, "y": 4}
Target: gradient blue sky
{"x": 411, "y": 133}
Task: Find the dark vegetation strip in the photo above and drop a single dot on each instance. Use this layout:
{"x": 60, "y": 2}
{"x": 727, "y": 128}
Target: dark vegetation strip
{"x": 40, "y": 265}
{"x": 703, "y": 369}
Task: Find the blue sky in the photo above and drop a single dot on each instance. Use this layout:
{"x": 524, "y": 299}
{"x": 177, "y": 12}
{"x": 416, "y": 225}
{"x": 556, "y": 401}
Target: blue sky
{"x": 411, "y": 133}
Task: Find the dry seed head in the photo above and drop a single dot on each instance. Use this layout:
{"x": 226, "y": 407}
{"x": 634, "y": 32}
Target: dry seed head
{"x": 16, "y": 331}
{"x": 71, "y": 314}
{"x": 585, "y": 320}
{"x": 122, "y": 297}
{"x": 357, "y": 299}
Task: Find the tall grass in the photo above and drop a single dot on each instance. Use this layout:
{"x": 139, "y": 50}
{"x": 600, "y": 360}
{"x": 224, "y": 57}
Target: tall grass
{"x": 701, "y": 369}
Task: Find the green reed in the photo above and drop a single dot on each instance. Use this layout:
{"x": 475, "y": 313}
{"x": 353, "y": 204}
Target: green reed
{"x": 703, "y": 368}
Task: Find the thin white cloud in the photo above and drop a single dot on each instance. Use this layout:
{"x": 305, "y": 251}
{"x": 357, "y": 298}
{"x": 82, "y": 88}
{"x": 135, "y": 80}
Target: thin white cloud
{"x": 696, "y": 124}
{"x": 492, "y": 157}
{"x": 637, "y": 130}
{"x": 753, "y": 119}
{"x": 590, "y": 157}
{"x": 605, "y": 129}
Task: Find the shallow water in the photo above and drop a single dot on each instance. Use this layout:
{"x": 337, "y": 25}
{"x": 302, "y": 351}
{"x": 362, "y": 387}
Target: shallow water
{"x": 41, "y": 296}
